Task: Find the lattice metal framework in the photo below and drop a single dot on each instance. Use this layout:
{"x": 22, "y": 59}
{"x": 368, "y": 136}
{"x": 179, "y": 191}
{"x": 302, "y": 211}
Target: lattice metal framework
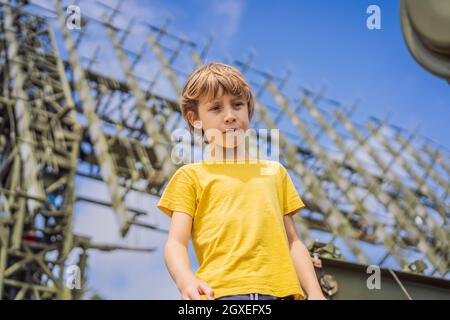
{"x": 59, "y": 118}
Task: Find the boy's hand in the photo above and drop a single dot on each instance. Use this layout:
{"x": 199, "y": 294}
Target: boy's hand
{"x": 193, "y": 288}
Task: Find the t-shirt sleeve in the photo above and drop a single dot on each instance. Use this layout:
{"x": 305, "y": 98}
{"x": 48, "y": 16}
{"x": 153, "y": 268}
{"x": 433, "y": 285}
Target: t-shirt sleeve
{"x": 179, "y": 194}
{"x": 291, "y": 200}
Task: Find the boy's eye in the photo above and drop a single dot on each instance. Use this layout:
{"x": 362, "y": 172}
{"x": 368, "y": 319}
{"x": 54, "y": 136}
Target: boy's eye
{"x": 214, "y": 108}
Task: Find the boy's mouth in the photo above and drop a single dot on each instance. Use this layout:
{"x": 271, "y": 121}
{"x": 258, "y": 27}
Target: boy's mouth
{"x": 230, "y": 130}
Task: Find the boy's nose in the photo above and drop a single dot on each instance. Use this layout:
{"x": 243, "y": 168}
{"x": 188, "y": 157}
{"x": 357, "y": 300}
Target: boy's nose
{"x": 229, "y": 117}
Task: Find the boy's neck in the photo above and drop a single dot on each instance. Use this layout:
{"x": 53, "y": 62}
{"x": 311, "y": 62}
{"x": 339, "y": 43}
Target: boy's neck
{"x": 219, "y": 153}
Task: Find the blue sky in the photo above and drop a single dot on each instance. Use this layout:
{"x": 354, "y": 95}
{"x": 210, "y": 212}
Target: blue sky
{"x": 326, "y": 43}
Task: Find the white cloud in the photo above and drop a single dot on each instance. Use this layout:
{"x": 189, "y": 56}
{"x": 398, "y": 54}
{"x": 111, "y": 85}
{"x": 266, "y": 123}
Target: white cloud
{"x": 230, "y": 12}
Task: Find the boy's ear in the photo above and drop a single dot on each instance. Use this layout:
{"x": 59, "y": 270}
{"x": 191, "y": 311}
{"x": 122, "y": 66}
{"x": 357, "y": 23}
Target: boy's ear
{"x": 191, "y": 116}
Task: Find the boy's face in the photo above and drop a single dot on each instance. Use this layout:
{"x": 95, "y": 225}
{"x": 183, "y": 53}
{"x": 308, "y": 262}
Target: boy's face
{"x": 226, "y": 111}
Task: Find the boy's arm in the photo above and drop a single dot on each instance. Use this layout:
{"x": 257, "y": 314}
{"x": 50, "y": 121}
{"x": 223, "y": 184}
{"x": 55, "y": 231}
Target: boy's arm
{"x": 302, "y": 261}
{"x": 177, "y": 259}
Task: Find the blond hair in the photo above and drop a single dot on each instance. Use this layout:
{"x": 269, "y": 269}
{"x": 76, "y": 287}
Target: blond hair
{"x": 206, "y": 82}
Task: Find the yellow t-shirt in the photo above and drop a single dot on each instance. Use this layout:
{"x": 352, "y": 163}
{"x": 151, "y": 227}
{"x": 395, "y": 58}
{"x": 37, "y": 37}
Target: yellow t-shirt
{"x": 238, "y": 231}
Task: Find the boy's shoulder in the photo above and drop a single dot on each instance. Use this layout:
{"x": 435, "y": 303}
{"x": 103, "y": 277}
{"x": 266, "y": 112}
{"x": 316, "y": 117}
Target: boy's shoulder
{"x": 188, "y": 168}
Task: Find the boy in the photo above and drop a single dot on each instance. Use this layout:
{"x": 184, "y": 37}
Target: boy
{"x": 240, "y": 219}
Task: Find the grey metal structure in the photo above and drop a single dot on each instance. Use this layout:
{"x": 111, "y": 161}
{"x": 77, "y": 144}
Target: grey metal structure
{"x": 364, "y": 186}
{"x": 425, "y": 26}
